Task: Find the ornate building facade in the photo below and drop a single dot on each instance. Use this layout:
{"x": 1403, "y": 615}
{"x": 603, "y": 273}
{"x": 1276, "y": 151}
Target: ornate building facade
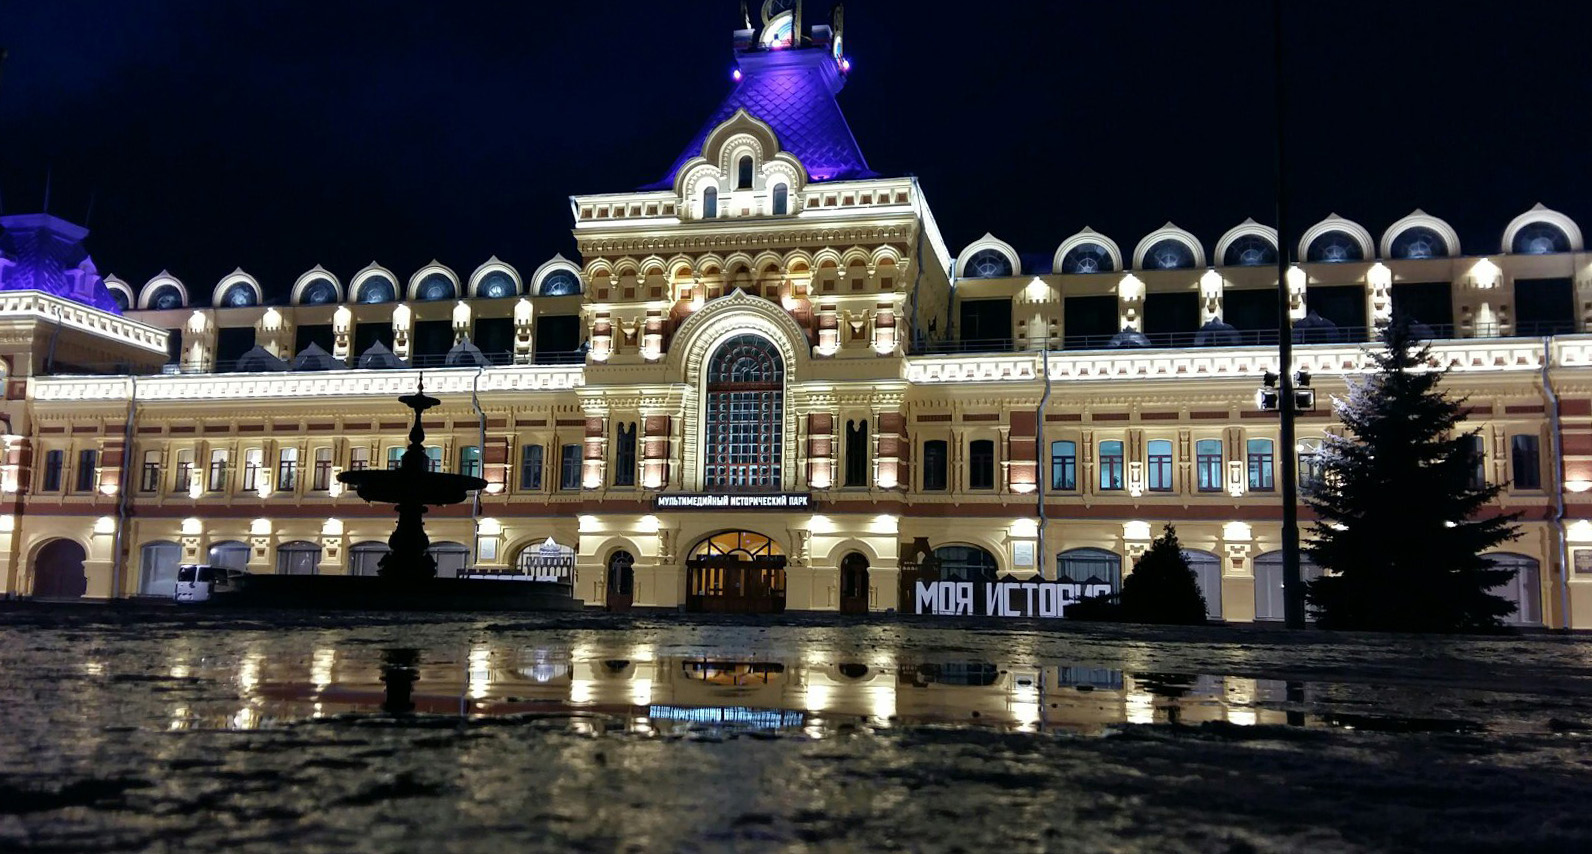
{"x": 768, "y": 384}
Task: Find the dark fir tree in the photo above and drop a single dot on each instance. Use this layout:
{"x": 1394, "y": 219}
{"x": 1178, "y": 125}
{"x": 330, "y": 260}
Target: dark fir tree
{"x": 1162, "y": 587}
{"x": 1400, "y": 528}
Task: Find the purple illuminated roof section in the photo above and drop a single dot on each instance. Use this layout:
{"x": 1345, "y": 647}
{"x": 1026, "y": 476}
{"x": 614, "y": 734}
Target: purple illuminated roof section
{"x": 793, "y": 91}
{"x": 40, "y": 252}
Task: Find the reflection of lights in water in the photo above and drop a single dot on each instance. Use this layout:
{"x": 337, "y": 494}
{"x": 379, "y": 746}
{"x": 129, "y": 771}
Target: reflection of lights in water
{"x": 582, "y": 727}
{"x": 249, "y": 673}
{"x": 321, "y": 668}
{"x": 480, "y": 671}
{"x": 817, "y": 697}
{"x": 1025, "y": 700}
{"x": 1139, "y": 706}
{"x": 1239, "y": 695}
{"x": 94, "y": 668}
{"x": 318, "y": 712}
{"x": 181, "y": 670}
{"x": 882, "y": 702}
{"x": 641, "y": 691}
{"x": 641, "y": 726}
{"x": 246, "y": 718}
{"x": 1242, "y": 717}
{"x": 180, "y": 717}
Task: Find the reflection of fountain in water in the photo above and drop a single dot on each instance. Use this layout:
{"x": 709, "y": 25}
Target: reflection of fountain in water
{"x": 400, "y": 670}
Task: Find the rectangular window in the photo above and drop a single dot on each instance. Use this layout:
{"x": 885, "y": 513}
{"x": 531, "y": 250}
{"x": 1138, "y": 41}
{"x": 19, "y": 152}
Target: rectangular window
{"x": 433, "y": 458}
{"x": 184, "y": 480}
{"x": 1158, "y": 465}
{"x": 1110, "y": 466}
{"x": 54, "y": 461}
{"x": 531, "y": 467}
{"x": 1064, "y": 465}
{"x": 87, "y": 468}
{"x": 1208, "y": 464}
{"x": 1309, "y": 465}
{"x": 470, "y": 460}
{"x": 395, "y": 457}
{"x": 1260, "y": 465}
{"x": 358, "y": 459}
{"x": 253, "y": 461}
{"x": 217, "y": 480}
{"x": 569, "y": 467}
{"x": 1478, "y": 462}
{"x": 149, "y": 478}
{"x": 625, "y": 455}
{"x": 981, "y": 464}
{"x": 935, "y": 465}
{"x": 287, "y": 470}
{"x": 322, "y": 477}
{"x": 856, "y": 453}
{"x": 1526, "y": 461}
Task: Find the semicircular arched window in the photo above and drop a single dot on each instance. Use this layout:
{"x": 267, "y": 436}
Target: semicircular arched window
{"x": 1249, "y": 250}
{"x": 377, "y": 289}
{"x": 238, "y": 295}
{"x": 1540, "y": 238}
{"x": 319, "y": 292}
{"x": 965, "y": 563}
{"x": 1168, "y": 253}
{"x": 560, "y": 283}
{"x": 1418, "y": 241}
{"x": 781, "y": 200}
{"x": 434, "y": 287}
{"x": 496, "y": 285}
{"x": 166, "y": 297}
{"x": 121, "y": 299}
{"x": 1088, "y": 258}
{"x": 743, "y": 432}
{"x": 1334, "y": 247}
{"x": 988, "y": 264}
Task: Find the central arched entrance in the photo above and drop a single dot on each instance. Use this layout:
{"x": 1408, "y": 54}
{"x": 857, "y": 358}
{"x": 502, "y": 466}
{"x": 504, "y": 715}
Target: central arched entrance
{"x": 736, "y": 572}
{"x": 58, "y": 571}
{"x": 854, "y": 584}
{"x": 621, "y": 589}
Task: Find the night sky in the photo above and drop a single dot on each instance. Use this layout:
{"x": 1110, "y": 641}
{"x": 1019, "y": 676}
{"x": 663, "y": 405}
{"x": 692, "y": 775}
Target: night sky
{"x": 277, "y": 135}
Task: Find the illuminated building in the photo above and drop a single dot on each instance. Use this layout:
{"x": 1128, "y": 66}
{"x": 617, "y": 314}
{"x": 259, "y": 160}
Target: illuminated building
{"x": 767, "y": 383}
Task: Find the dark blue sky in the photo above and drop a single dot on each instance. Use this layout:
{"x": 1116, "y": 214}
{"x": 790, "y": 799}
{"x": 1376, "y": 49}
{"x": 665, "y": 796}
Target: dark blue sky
{"x": 275, "y": 135}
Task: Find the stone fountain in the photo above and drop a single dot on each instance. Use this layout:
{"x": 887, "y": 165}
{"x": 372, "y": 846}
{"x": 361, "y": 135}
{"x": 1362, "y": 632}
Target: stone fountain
{"x": 407, "y": 575}
{"x": 412, "y": 486}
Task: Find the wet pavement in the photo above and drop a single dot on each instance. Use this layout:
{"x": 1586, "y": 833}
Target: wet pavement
{"x": 159, "y": 729}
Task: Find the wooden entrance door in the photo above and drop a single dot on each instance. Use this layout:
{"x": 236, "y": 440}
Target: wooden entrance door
{"x": 728, "y": 584}
{"x": 854, "y": 584}
{"x": 621, "y": 581}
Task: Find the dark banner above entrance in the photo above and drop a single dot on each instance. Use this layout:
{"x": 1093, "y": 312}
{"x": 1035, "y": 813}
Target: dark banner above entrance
{"x": 733, "y": 501}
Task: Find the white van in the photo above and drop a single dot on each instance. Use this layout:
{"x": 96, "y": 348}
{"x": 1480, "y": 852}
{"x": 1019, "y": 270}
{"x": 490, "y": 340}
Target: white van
{"x": 198, "y": 582}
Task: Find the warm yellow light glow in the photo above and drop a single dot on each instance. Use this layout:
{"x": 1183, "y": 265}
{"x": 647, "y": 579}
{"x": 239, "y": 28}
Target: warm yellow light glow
{"x": 271, "y": 321}
{"x": 489, "y": 527}
{"x": 1025, "y": 527}
{"x": 494, "y": 487}
{"x": 342, "y": 318}
{"x": 197, "y": 322}
{"x": 886, "y": 523}
{"x": 588, "y": 524}
{"x": 401, "y": 315}
{"x": 461, "y": 314}
{"x": 1579, "y": 531}
{"x": 260, "y": 527}
{"x": 332, "y": 528}
{"x": 522, "y": 311}
{"x": 105, "y": 525}
{"x": 192, "y": 527}
{"x": 821, "y": 525}
{"x": 107, "y": 489}
{"x": 1486, "y": 274}
{"x": 1578, "y": 485}
{"x": 1036, "y": 290}
{"x": 1237, "y": 532}
{"x": 1136, "y": 530}
{"x": 8, "y": 523}
{"x": 648, "y": 524}
{"x": 321, "y": 668}
{"x": 480, "y": 672}
{"x": 1379, "y": 276}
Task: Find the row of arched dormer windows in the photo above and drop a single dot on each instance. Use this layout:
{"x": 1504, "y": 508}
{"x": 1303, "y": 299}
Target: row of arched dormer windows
{"x": 492, "y": 280}
{"x": 1334, "y": 240}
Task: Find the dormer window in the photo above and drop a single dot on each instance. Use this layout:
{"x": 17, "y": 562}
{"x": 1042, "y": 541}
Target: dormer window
{"x": 743, "y": 173}
{"x": 710, "y": 203}
{"x": 781, "y": 200}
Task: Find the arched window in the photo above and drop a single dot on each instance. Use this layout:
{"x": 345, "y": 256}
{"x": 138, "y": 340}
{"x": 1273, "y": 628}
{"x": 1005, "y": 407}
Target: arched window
{"x": 560, "y": 283}
{"x": 376, "y": 289}
{"x": 231, "y": 554}
{"x": 710, "y": 203}
{"x": 743, "y": 173}
{"x": 496, "y": 285}
{"x": 546, "y": 561}
{"x": 1334, "y": 247}
{"x": 621, "y": 573}
{"x": 1540, "y": 238}
{"x": 744, "y": 430}
{"x": 1087, "y": 258}
{"x": 1208, "y": 572}
{"x": 1524, "y": 588}
{"x": 1418, "y": 241}
{"x": 298, "y": 558}
{"x": 318, "y": 292}
{"x": 435, "y": 286}
{"x": 120, "y": 297}
{"x": 1093, "y": 568}
{"x": 1168, "y": 254}
{"x": 965, "y": 563}
{"x": 238, "y": 295}
{"x": 781, "y": 200}
{"x": 451, "y": 558}
{"x": 158, "y": 568}
{"x": 1268, "y": 583}
{"x": 988, "y": 264}
{"x": 166, "y": 297}
{"x": 365, "y": 558}
{"x": 1249, "y": 250}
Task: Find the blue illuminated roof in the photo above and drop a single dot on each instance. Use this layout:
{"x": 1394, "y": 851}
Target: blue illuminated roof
{"x": 46, "y": 254}
{"x": 793, "y": 91}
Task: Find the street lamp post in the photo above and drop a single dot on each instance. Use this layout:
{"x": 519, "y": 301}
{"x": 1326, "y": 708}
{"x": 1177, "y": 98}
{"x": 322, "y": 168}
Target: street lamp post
{"x": 1292, "y": 587}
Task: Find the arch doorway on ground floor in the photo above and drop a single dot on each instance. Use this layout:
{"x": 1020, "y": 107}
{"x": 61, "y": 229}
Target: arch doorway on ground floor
{"x": 1269, "y": 601}
{"x": 58, "y": 571}
{"x": 621, "y": 592}
{"x": 736, "y": 572}
{"x": 854, "y": 584}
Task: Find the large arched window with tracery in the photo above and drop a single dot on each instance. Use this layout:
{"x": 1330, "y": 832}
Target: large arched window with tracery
{"x": 744, "y": 430}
